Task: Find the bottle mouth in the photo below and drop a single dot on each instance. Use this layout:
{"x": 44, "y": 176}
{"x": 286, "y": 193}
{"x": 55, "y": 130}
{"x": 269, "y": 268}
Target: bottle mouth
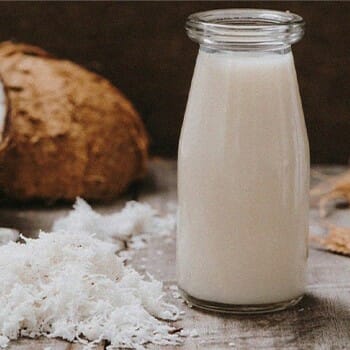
{"x": 245, "y": 29}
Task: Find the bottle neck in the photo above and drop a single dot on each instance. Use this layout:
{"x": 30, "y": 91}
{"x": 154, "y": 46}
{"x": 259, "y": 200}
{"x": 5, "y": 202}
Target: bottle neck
{"x": 245, "y": 30}
{"x": 278, "y": 50}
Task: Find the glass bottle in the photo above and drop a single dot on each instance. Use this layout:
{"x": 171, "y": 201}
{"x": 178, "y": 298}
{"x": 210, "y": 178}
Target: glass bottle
{"x": 243, "y": 165}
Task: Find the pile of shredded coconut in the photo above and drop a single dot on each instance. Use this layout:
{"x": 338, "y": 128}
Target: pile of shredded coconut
{"x": 71, "y": 284}
{"x": 7, "y": 235}
{"x": 132, "y": 226}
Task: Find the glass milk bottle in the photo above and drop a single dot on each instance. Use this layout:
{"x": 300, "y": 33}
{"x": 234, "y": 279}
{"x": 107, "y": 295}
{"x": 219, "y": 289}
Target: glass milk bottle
{"x": 243, "y": 168}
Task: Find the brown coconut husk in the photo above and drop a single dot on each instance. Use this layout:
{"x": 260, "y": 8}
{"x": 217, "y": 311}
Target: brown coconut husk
{"x": 68, "y": 132}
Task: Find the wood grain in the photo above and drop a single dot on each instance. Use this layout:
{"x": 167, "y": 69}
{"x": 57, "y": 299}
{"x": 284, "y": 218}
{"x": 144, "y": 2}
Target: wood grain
{"x": 320, "y": 321}
{"x": 47, "y": 344}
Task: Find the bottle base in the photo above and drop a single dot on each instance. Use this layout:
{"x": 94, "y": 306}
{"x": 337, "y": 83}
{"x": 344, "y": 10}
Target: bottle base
{"x": 238, "y": 309}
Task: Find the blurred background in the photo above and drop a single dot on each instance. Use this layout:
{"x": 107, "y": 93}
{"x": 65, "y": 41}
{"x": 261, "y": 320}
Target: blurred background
{"x": 143, "y": 49}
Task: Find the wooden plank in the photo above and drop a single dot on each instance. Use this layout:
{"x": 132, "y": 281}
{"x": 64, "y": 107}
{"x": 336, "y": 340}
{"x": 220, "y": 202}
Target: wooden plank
{"x": 47, "y": 344}
{"x": 29, "y": 220}
{"x": 320, "y": 321}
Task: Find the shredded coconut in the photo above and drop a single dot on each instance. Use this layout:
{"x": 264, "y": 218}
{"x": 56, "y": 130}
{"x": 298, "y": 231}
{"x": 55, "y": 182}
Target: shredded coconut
{"x": 8, "y": 235}
{"x": 3, "y": 341}
{"x": 134, "y": 224}
{"x": 176, "y": 295}
{"x": 71, "y": 285}
{"x": 194, "y": 333}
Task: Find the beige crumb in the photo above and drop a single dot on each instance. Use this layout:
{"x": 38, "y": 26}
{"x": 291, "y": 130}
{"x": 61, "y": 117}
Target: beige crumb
{"x": 337, "y": 240}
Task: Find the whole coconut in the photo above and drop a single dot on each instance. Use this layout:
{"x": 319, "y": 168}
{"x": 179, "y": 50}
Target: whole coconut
{"x": 66, "y": 132}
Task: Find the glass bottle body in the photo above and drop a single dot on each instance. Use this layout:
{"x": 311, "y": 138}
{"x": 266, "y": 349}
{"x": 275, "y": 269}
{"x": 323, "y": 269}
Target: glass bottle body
{"x": 243, "y": 183}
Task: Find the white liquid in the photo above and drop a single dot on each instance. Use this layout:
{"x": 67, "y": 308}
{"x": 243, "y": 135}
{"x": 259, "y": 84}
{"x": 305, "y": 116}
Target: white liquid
{"x": 243, "y": 181}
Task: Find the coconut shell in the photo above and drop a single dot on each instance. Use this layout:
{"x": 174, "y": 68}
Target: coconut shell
{"x": 69, "y": 132}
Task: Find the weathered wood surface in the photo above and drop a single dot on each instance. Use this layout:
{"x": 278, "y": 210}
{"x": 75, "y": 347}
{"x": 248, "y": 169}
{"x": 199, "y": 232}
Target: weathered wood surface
{"x": 46, "y": 344}
{"x": 320, "y": 321}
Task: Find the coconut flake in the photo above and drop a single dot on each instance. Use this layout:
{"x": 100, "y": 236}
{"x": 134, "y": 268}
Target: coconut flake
{"x": 4, "y": 341}
{"x": 194, "y": 333}
{"x": 135, "y": 223}
{"x": 8, "y": 235}
{"x": 72, "y": 285}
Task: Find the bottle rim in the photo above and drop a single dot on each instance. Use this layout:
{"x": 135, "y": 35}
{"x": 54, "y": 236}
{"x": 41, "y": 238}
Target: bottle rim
{"x": 245, "y": 29}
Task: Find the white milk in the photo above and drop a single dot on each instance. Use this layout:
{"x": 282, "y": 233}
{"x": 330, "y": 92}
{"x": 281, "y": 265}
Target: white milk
{"x": 243, "y": 181}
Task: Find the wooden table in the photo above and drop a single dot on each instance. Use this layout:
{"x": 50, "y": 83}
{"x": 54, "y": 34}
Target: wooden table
{"x": 320, "y": 321}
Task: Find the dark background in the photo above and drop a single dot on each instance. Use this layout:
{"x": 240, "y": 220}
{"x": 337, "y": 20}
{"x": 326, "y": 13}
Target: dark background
{"x": 143, "y": 49}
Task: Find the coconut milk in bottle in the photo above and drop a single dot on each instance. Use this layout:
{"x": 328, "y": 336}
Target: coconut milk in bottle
{"x": 243, "y": 168}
